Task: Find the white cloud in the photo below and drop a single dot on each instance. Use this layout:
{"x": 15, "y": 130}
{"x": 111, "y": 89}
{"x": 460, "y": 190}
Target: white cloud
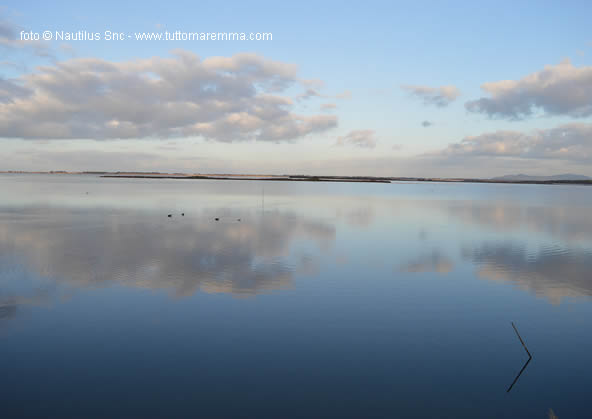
{"x": 220, "y": 98}
{"x": 438, "y": 96}
{"x": 10, "y": 41}
{"x": 10, "y": 90}
{"x": 364, "y": 138}
{"x": 566, "y": 142}
{"x": 309, "y": 93}
{"x": 560, "y": 89}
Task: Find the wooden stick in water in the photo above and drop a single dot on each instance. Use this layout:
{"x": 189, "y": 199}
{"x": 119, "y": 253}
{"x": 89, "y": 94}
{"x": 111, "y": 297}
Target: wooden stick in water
{"x": 521, "y": 341}
{"x": 527, "y": 361}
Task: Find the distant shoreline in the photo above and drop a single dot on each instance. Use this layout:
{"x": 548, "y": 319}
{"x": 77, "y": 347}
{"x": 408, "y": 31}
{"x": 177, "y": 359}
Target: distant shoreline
{"x": 265, "y": 178}
{"x": 302, "y": 178}
{"x": 354, "y": 179}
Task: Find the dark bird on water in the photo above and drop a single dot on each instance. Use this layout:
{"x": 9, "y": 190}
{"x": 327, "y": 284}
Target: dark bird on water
{"x": 217, "y": 219}
{"x": 182, "y": 214}
{"x": 170, "y": 215}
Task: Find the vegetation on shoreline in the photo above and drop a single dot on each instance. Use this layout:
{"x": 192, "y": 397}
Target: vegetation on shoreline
{"x": 310, "y": 178}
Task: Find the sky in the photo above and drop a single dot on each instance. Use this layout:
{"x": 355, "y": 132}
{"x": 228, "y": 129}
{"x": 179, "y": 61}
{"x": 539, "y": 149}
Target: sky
{"x": 422, "y": 88}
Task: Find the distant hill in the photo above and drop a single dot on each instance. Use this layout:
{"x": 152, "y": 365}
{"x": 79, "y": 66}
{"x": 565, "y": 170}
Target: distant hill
{"x": 524, "y": 178}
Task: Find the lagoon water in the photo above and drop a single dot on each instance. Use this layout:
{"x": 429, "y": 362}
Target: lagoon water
{"x": 303, "y": 299}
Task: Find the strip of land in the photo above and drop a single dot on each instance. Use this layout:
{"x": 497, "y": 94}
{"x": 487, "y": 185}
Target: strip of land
{"x": 363, "y": 179}
{"x": 307, "y": 178}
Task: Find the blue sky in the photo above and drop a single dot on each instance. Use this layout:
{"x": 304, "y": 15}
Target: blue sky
{"x": 364, "y": 54}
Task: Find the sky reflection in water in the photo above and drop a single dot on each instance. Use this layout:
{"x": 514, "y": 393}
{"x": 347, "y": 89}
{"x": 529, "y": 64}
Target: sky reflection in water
{"x": 303, "y": 299}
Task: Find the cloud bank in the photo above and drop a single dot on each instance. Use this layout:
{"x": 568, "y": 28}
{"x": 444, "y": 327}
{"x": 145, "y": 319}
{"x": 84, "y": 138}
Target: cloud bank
{"x": 566, "y": 142}
{"x": 227, "y": 99}
{"x": 560, "y": 89}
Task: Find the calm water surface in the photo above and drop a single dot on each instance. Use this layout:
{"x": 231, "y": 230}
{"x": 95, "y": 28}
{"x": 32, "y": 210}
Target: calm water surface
{"x": 302, "y": 300}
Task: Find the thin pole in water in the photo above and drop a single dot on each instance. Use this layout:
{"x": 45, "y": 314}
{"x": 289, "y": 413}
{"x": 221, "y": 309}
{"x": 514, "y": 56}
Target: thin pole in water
{"x": 527, "y": 361}
{"x": 519, "y": 374}
{"x": 521, "y": 341}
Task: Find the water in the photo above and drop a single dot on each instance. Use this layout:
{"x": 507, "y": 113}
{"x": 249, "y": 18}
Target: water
{"x": 324, "y": 300}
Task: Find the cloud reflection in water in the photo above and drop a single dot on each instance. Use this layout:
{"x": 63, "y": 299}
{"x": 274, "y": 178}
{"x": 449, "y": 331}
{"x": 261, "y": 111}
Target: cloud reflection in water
{"x": 553, "y": 272}
{"x": 183, "y": 254}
